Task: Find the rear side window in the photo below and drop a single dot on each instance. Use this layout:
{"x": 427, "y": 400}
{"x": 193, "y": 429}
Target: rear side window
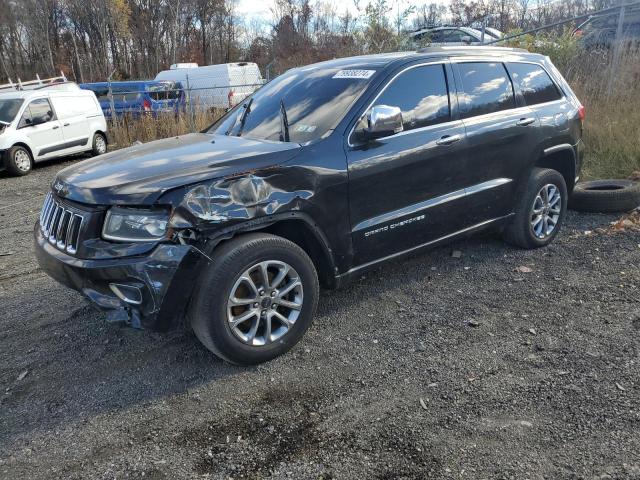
{"x": 535, "y": 83}
{"x": 421, "y": 93}
{"x": 486, "y": 88}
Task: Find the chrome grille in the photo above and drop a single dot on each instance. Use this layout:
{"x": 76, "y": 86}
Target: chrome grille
{"x": 60, "y": 225}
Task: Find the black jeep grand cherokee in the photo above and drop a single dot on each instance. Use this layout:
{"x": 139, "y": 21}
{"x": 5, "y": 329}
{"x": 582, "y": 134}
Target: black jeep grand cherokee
{"x": 328, "y": 170}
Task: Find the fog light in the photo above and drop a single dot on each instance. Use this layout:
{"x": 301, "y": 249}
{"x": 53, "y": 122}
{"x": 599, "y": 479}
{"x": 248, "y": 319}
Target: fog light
{"x": 127, "y": 293}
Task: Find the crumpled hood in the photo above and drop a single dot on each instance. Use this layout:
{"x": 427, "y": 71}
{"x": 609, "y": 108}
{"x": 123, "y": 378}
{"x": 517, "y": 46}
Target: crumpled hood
{"x": 140, "y": 174}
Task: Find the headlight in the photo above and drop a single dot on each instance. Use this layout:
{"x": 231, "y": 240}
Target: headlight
{"x": 135, "y": 225}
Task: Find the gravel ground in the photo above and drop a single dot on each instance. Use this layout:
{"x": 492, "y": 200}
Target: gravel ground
{"x": 434, "y": 367}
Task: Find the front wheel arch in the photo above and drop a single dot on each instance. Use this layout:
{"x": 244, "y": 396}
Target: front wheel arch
{"x": 297, "y": 227}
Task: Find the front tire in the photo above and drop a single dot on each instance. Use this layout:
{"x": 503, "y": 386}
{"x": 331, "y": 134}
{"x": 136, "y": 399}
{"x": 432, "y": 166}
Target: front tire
{"x": 99, "y": 144}
{"x": 540, "y": 210}
{"x": 256, "y": 299}
{"x": 19, "y": 161}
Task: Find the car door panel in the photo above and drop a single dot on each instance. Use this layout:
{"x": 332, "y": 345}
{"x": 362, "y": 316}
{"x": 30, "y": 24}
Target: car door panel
{"x": 499, "y": 150}
{"x": 502, "y": 136}
{"x": 401, "y": 189}
{"x": 545, "y": 99}
{"x": 42, "y": 128}
{"x": 72, "y": 113}
{"x": 402, "y": 186}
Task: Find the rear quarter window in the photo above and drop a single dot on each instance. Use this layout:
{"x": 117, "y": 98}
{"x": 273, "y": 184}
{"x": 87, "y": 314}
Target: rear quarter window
{"x": 486, "y": 88}
{"x": 535, "y": 84}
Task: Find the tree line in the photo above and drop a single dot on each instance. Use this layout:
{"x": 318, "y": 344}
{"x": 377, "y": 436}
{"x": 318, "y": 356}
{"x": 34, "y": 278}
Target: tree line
{"x": 91, "y": 40}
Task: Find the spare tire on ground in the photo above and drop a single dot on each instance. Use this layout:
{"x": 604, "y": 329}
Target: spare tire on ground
{"x": 605, "y": 196}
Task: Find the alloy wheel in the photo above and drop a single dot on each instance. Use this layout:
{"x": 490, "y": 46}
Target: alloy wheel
{"x": 264, "y": 303}
{"x": 546, "y": 210}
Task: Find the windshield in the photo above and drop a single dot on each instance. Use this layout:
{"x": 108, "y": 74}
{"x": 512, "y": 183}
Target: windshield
{"x": 312, "y": 100}
{"x": 9, "y": 109}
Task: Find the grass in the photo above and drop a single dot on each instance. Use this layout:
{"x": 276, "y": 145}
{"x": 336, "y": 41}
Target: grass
{"x": 612, "y": 124}
{"x": 127, "y": 130}
{"x": 611, "y": 129}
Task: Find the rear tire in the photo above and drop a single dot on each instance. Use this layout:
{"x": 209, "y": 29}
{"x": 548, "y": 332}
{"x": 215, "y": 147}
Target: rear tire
{"x": 99, "y": 144}
{"x": 232, "y": 288}
{"x": 19, "y": 161}
{"x": 539, "y": 211}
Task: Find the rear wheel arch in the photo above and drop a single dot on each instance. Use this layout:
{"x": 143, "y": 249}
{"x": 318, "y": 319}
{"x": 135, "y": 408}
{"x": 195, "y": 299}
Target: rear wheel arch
{"x": 103, "y": 133}
{"x": 562, "y": 159}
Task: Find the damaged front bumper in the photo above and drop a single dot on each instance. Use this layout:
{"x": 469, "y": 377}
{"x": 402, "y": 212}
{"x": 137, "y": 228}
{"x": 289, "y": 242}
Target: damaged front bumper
{"x": 150, "y": 291}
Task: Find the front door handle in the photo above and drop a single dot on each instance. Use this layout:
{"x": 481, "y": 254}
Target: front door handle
{"x": 523, "y": 122}
{"x": 448, "y": 140}
{"x": 56, "y": 127}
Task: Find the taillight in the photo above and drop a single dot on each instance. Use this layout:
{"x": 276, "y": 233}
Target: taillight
{"x": 230, "y": 98}
{"x": 581, "y": 112}
{"x": 146, "y": 105}
{"x": 578, "y": 33}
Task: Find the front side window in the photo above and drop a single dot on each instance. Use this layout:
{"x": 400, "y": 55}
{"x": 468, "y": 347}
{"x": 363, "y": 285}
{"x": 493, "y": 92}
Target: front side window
{"x": 9, "y": 109}
{"x": 311, "y": 99}
{"x": 535, "y": 83}
{"x": 486, "y": 88}
{"x": 37, "y": 112}
{"x": 421, "y": 93}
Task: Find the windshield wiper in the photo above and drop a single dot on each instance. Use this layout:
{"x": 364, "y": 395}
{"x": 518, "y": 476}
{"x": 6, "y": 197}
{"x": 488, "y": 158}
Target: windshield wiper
{"x": 284, "y": 123}
{"x": 245, "y": 114}
{"x": 242, "y": 119}
{"x": 6, "y": 124}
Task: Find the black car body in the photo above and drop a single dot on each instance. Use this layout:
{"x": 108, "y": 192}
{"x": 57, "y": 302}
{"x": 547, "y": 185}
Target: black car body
{"x": 476, "y": 123}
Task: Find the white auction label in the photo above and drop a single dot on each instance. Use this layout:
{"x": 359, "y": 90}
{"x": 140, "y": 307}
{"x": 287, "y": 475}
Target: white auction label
{"x": 354, "y": 74}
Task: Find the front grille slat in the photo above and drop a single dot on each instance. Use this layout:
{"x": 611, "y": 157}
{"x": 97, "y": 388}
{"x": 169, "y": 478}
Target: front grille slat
{"x": 60, "y": 225}
{"x": 49, "y": 218}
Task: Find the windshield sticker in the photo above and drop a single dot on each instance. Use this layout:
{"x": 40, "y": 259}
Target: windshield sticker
{"x": 305, "y": 128}
{"x": 354, "y": 74}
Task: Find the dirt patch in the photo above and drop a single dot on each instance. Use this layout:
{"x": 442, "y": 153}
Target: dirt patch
{"x": 440, "y": 366}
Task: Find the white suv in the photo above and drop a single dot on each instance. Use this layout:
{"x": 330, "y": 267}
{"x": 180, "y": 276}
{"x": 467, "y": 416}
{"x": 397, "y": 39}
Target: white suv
{"x": 49, "y": 122}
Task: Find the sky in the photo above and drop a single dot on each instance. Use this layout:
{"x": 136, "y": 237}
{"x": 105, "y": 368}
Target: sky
{"x": 260, "y": 9}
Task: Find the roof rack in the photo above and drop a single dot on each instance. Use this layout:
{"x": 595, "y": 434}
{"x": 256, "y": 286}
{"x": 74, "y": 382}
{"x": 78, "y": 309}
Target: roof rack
{"x": 34, "y": 84}
{"x": 486, "y": 48}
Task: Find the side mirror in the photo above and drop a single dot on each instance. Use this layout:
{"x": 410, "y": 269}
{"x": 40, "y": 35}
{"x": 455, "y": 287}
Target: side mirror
{"x": 467, "y": 40}
{"x": 383, "y": 121}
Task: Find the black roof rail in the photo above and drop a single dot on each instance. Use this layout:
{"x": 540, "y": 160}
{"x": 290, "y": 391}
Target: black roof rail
{"x": 467, "y": 48}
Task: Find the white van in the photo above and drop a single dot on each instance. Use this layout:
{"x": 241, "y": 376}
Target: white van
{"x": 215, "y": 86}
{"x": 49, "y": 122}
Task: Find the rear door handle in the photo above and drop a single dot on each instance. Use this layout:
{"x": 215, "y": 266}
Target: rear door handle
{"x": 448, "y": 140}
{"x": 523, "y": 122}
{"x": 66, "y": 124}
